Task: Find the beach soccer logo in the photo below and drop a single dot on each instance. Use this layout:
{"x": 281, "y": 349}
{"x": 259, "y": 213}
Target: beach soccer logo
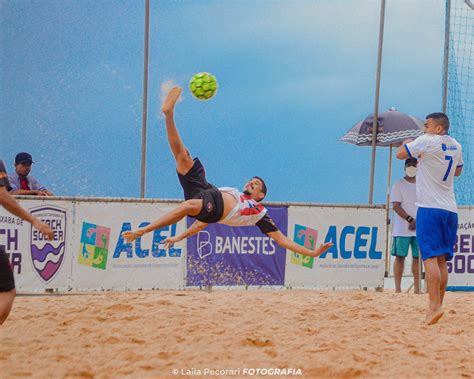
{"x": 94, "y": 246}
{"x": 306, "y": 237}
{"x": 48, "y": 256}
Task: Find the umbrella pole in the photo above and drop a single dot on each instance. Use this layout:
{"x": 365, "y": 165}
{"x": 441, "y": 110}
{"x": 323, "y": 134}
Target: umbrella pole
{"x": 376, "y": 103}
{"x": 387, "y": 215}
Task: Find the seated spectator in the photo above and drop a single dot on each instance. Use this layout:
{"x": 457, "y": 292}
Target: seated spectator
{"x": 20, "y": 181}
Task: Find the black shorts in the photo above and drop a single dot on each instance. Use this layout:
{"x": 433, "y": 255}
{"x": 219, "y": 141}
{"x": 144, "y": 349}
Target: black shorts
{"x": 195, "y": 186}
{"x": 7, "y": 282}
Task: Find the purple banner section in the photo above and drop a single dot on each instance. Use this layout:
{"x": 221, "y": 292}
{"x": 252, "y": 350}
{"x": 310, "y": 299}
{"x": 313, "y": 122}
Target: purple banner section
{"x": 221, "y": 255}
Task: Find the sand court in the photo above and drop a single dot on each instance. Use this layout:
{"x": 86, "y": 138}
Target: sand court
{"x": 347, "y": 334}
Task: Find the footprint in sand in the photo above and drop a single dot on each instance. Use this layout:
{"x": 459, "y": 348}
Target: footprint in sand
{"x": 257, "y": 342}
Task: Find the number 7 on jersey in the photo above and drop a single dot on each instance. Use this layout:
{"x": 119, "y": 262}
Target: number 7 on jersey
{"x": 450, "y": 164}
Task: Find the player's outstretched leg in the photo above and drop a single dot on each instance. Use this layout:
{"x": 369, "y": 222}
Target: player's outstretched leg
{"x": 184, "y": 161}
{"x": 187, "y": 208}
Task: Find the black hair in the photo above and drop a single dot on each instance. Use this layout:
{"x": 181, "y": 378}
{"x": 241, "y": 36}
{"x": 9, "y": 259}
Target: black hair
{"x": 441, "y": 119}
{"x": 264, "y": 186}
{"x": 411, "y": 160}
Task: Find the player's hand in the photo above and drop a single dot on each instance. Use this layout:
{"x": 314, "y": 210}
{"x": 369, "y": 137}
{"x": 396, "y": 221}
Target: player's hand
{"x": 44, "y": 229}
{"x": 170, "y": 241}
{"x": 412, "y": 225}
{"x": 322, "y": 248}
{"x": 132, "y": 235}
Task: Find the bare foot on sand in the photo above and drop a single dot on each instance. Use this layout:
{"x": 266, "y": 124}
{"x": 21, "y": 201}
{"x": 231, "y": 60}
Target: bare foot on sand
{"x": 432, "y": 317}
{"x": 171, "y": 99}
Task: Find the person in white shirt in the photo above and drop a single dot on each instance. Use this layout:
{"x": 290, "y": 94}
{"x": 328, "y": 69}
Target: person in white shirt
{"x": 209, "y": 204}
{"x": 403, "y": 196}
{"x": 439, "y": 161}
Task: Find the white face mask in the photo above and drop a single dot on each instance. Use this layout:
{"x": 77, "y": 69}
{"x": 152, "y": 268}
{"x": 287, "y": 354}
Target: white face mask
{"x": 410, "y": 171}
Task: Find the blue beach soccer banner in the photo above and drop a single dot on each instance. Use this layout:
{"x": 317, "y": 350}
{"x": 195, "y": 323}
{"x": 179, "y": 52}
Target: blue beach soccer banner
{"x": 222, "y": 256}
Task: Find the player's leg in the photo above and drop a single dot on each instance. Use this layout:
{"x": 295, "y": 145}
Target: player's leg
{"x": 187, "y": 208}
{"x": 399, "y": 251}
{"x": 415, "y": 267}
{"x": 443, "y": 269}
{"x": 7, "y": 286}
{"x": 183, "y": 159}
{"x": 433, "y": 282}
{"x": 398, "y": 267}
{"x": 6, "y": 303}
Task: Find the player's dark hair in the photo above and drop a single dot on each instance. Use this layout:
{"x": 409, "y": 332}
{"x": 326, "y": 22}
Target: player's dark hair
{"x": 441, "y": 119}
{"x": 264, "y": 186}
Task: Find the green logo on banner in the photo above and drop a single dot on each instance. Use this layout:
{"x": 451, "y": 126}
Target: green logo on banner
{"x": 306, "y": 237}
{"x": 94, "y": 246}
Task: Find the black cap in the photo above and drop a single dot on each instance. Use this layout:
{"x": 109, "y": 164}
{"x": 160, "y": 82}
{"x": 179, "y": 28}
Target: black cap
{"x": 411, "y": 161}
{"x": 23, "y": 158}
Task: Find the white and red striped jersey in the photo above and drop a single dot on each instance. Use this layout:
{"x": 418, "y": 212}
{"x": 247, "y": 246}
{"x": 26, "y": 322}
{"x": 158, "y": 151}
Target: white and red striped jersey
{"x": 246, "y": 212}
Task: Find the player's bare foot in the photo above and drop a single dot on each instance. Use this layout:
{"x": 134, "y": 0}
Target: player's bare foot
{"x": 171, "y": 99}
{"x": 432, "y": 317}
{"x": 322, "y": 248}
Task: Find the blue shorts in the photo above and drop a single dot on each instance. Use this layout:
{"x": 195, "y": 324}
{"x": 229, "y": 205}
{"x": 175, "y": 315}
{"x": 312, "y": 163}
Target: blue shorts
{"x": 436, "y": 231}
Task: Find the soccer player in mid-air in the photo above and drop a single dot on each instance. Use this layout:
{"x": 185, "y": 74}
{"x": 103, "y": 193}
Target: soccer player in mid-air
{"x": 439, "y": 161}
{"x": 209, "y": 204}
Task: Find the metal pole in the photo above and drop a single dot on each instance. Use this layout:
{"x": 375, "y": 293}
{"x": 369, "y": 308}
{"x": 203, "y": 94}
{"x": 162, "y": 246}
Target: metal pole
{"x": 145, "y": 99}
{"x": 387, "y": 218}
{"x": 446, "y": 54}
{"x": 376, "y": 105}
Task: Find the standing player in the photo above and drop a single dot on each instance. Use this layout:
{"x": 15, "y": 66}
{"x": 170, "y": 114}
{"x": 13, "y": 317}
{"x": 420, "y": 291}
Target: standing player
{"x": 439, "y": 161}
{"x": 209, "y": 204}
{"x": 7, "y": 282}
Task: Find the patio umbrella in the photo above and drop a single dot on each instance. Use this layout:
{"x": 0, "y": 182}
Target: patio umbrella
{"x": 393, "y": 128}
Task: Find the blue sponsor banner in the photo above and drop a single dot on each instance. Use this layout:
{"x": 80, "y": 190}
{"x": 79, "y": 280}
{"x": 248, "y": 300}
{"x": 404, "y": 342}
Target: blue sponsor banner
{"x": 221, "y": 255}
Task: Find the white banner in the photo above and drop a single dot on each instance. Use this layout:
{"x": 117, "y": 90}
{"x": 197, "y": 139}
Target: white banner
{"x": 461, "y": 268}
{"x": 37, "y": 262}
{"x": 88, "y": 251}
{"x": 357, "y": 257}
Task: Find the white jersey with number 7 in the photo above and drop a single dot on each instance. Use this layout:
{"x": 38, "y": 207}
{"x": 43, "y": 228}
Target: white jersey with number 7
{"x": 438, "y": 157}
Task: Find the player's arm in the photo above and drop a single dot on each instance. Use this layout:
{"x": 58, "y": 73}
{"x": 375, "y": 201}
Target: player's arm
{"x": 402, "y": 151}
{"x": 285, "y": 242}
{"x": 460, "y": 164}
{"x": 268, "y": 227}
{"x": 458, "y": 171}
{"x": 12, "y": 206}
{"x": 195, "y": 228}
{"x": 25, "y": 192}
{"x": 397, "y": 207}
